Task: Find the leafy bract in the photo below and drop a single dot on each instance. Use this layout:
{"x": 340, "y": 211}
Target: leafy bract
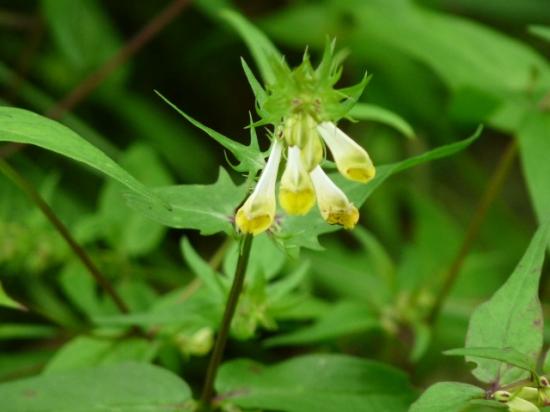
{"x": 250, "y": 157}
{"x": 22, "y": 126}
{"x": 315, "y": 383}
{"x": 208, "y": 208}
{"x": 110, "y": 388}
{"x": 447, "y": 397}
{"x": 512, "y": 318}
{"x": 363, "y": 111}
{"x": 507, "y": 355}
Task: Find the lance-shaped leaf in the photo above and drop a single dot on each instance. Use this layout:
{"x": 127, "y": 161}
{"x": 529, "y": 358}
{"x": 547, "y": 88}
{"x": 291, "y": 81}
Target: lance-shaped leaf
{"x": 540, "y": 31}
{"x": 208, "y": 208}
{"x": 512, "y": 318}
{"x": 250, "y": 157}
{"x": 447, "y": 397}
{"x": 22, "y": 126}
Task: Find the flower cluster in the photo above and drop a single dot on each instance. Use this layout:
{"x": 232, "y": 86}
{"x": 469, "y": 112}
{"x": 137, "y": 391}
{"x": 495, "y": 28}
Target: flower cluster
{"x": 303, "y": 106}
{"x": 526, "y": 398}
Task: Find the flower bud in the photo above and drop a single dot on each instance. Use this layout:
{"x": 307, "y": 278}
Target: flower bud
{"x": 300, "y": 130}
{"x": 334, "y": 206}
{"x": 351, "y": 159}
{"x": 258, "y": 212}
{"x": 296, "y": 193}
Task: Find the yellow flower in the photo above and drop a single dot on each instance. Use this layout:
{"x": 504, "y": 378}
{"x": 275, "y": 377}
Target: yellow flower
{"x": 258, "y": 211}
{"x": 296, "y": 193}
{"x": 333, "y": 204}
{"x": 351, "y": 159}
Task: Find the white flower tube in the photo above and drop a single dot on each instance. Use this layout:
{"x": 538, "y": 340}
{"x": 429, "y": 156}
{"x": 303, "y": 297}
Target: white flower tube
{"x": 258, "y": 212}
{"x": 351, "y": 159}
{"x": 296, "y": 193}
{"x": 333, "y": 204}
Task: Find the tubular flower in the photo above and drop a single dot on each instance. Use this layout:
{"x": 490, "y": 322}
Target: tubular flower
{"x": 302, "y": 104}
{"x": 333, "y": 203}
{"x": 296, "y": 193}
{"x": 351, "y": 159}
{"x": 258, "y": 211}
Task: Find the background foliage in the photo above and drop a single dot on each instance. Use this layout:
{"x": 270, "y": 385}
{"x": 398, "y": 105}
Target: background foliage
{"x": 355, "y": 320}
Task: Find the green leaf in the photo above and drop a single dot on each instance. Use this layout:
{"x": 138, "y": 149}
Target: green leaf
{"x": 84, "y": 352}
{"x": 540, "y": 31}
{"x": 363, "y": 111}
{"x": 512, "y": 318}
{"x": 261, "y": 48}
{"x": 122, "y": 388}
{"x": 534, "y": 143}
{"x": 302, "y": 231}
{"x": 250, "y": 157}
{"x": 315, "y": 383}
{"x": 507, "y": 355}
{"x": 208, "y": 208}
{"x": 447, "y": 397}
{"x": 346, "y": 318}
{"x": 22, "y": 126}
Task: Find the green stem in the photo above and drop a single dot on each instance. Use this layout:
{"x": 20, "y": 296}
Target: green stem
{"x": 491, "y": 192}
{"x": 230, "y": 307}
{"x": 33, "y": 194}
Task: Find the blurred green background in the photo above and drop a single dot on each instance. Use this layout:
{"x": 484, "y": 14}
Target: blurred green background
{"x": 445, "y": 66}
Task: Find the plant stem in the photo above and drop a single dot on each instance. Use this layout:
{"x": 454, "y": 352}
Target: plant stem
{"x": 33, "y": 194}
{"x": 491, "y": 192}
{"x": 230, "y": 307}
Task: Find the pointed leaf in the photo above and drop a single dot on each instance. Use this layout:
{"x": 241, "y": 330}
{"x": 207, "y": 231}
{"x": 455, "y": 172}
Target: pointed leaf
{"x": 250, "y": 157}
{"x": 512, "y": 318}
{"x": 208, "y": 208}
{"x": 22, "y": 126}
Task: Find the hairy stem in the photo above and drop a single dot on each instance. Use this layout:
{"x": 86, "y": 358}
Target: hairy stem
{"x": 33, "y": 194}
{"x": 231, "y": 305}
{"x": 491, "y": 192}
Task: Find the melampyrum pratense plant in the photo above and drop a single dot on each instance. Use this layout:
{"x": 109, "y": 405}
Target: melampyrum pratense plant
{"x": 300, "y": 109}
{"x": 303, "y": 107}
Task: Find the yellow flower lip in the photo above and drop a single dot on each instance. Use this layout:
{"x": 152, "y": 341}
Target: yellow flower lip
{"x": 257, "y": 213}
{"x": 333, "y": 204}
{"x": 351, "y": 159}
{"x": 296, "y": 194}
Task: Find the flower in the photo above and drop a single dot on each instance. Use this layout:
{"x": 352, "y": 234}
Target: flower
{"x": 303, "y": 180}
{"x": 296, "y": 193}
{"x": 258, "y": 212}
{"x": 333, "y": 204}
{"x": 351, "y": 159}
{"x": 303, "y": 106}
